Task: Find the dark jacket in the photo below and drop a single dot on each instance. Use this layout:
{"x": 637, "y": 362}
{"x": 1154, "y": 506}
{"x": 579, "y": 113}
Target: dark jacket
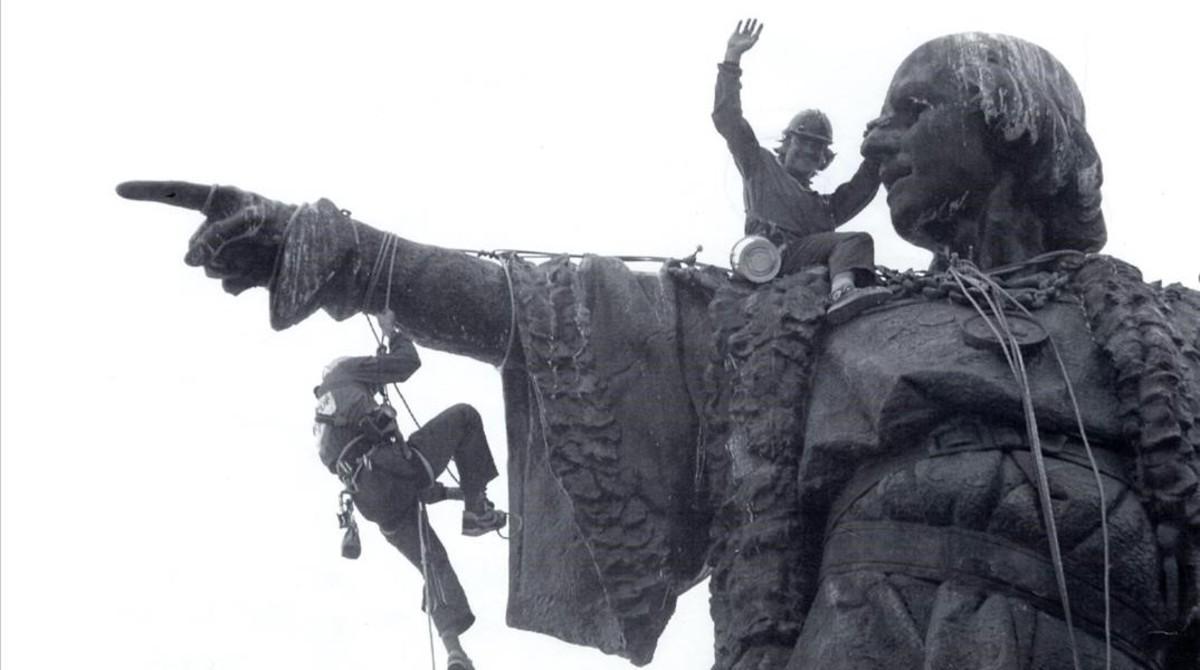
{"x": 347, "y": 394}
{"x": 776, "y": 201}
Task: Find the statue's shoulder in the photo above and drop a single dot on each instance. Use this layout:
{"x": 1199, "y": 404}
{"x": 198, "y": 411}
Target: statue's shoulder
{"x": 1142, "y": 325}
{"x": 1120, "y": 281}
{"x": 1183, "y": 311}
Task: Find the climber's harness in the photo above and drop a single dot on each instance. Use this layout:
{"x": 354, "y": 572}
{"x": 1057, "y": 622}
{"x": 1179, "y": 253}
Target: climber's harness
{"x": 376, "y": 430}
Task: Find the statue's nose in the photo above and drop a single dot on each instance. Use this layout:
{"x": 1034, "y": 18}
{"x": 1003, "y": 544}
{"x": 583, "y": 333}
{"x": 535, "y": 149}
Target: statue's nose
{"x": 879, "y": 141}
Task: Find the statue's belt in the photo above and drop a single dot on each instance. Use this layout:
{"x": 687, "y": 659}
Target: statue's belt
{"x": 971, "y": 436}
{"x": 942, "y": 553}
{"x": 978, "y": 559}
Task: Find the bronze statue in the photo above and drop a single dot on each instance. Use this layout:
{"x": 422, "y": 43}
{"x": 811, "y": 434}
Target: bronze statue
{"x": 918, "y": 487}
{"x": 939, "y": 541}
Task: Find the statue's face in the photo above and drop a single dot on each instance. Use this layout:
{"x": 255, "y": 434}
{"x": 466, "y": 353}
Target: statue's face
{"x": 932, "y": 145}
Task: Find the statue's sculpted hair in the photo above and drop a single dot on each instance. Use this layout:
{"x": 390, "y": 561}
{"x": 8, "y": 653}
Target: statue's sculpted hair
{"x": 1036, "y": 114}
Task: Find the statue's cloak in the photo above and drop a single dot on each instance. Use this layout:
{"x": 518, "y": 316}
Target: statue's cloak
{"x": 604, "y": 381}
{"x": 604, "y": 393}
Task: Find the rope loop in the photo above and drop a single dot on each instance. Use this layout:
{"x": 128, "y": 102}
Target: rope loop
{"x": 976, "y": 284}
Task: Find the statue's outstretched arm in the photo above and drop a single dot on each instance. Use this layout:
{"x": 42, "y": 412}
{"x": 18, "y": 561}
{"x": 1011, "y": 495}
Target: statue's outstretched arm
{"x": 315, "y": 256}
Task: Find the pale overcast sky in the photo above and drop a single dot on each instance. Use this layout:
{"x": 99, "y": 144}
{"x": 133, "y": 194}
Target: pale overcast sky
{"x": 163, "y": 506}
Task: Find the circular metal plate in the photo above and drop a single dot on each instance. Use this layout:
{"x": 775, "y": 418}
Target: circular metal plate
{"x": 755, "y": 258}
{"x": 1029, "y": 334}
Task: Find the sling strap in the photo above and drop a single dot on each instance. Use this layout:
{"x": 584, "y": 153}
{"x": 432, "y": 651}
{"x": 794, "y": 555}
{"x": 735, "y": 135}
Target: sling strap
{"x": 986, "y": 561}
{"x": 967, "y": 435}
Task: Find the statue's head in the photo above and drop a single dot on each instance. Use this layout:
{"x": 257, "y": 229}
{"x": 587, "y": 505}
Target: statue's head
{"x": 804, "y": 148}
{"x": 983, "y": 151}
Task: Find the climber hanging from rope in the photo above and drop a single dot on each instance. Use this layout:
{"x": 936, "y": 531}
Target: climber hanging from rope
{"x": 390, "y": 479}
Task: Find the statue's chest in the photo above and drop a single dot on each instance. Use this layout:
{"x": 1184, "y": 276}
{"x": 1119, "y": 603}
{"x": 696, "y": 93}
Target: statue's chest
{"x": 884, "y": 376}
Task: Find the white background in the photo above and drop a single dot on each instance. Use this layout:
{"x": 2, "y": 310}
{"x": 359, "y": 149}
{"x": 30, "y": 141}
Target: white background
{"x": 163, "y": 506}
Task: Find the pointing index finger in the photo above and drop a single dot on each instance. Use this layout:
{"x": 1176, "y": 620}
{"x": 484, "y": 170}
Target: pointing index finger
{"x": 176, "y": 193}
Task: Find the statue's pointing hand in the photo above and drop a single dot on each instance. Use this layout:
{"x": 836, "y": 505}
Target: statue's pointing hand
{"x": 241, "y": 234}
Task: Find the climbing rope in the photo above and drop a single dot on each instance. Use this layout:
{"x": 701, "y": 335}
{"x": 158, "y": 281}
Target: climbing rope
{"x": 400, "y": 394}
{"x": 395, "y": 387}
{"x": 500, "y": 254}
{"x": 986, "y": 288}
{"x": 515, "y": 524}
{"x": 1087, "y": 447}
{"x": 1031, "y": 290}
{"x": 425, "y": 576}
{"x": 1012, "y": 353}
{"x": 506, "y": 263}
{"x": 388, "y": 244}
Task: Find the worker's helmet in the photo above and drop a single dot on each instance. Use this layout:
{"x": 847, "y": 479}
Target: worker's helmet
{"x": 811, "y": 123}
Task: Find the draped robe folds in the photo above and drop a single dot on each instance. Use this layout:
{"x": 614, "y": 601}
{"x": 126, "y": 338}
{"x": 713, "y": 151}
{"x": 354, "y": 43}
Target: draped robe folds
{"x": 622, "y": 433}
{"x": 603, "y": 389}
{"x": 603, "y": 432}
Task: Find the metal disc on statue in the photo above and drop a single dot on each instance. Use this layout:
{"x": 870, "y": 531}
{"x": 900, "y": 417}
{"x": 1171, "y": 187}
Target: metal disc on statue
{"x": 755, "y": 258}
{"x": 1029, "y": 334}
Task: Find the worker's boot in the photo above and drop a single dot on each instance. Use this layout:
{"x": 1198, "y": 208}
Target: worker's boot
{"x": 481, "y": 517}
{"x": 849, "y": 302}
{"x": 457, "y": 660}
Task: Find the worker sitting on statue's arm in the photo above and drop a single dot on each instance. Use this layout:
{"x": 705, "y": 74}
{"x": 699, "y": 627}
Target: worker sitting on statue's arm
{"x": 780, "y": 202}
{"x": 389, "y": 479}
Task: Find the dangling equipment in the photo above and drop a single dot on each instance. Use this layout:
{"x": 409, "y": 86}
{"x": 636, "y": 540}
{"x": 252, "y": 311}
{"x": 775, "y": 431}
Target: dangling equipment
{"x": 351, "y": 542}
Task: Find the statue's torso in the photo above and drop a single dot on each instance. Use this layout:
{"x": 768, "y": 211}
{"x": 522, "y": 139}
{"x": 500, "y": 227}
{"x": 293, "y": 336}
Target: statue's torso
{"x": 911, "y": 446}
